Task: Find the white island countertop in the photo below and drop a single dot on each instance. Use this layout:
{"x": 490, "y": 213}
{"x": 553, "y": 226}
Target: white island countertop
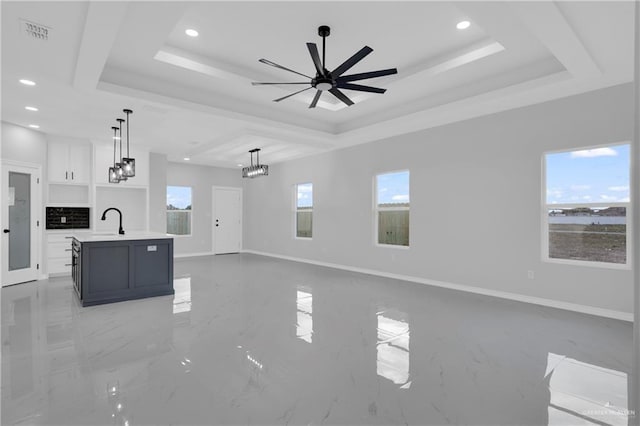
{"x": 93, "y": 237}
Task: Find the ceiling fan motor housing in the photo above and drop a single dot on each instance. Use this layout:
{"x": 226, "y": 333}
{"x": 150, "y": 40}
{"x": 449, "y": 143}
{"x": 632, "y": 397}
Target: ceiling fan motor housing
{"x": 324, "y": 31}
{"x": 323, "y": 83}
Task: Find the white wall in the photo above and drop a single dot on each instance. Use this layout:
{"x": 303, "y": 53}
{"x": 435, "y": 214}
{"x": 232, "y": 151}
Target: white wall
{"x": 22, "y": 144}
{"x": 201, "y": 179}
{"x": 475, "y": 201}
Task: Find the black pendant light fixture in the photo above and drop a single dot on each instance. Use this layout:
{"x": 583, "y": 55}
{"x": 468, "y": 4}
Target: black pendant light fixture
{"x": 128, "y": 164}
{"x": 256, "y": 170}
{"x": 113, "y": 173}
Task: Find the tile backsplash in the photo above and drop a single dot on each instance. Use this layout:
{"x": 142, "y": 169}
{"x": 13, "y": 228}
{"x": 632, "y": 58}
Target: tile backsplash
{"x": 67, "y": 218}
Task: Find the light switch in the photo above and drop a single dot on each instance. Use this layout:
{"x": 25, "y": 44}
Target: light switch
{"x": 63, "y": 219}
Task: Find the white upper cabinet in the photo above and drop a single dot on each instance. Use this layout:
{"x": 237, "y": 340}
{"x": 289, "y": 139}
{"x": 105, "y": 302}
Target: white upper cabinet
{"x": 104, "y": 160}
{"x": 69, "y": 162}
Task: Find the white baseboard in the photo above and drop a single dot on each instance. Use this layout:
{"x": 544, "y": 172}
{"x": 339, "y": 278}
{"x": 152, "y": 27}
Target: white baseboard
{"x": 574, "y": 307}
{"x": 183, "y": 255}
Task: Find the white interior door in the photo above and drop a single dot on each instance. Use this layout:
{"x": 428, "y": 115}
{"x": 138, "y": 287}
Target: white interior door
{"x": 20, "y": 223}
{"x": 227, "y": 220}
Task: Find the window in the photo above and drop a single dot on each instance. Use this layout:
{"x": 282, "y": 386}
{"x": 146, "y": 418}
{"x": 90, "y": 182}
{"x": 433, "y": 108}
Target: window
{"x": 586, "y": 205}
{"x": 179, "y": 210}
{"x": 304, "y": 210}
{"x": 392, "y": 208}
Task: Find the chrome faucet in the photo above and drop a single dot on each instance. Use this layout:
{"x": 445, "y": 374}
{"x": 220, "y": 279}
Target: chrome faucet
{"x": 104, "y": 217}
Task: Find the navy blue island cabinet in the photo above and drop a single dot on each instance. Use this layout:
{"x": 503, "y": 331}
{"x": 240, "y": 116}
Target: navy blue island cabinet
{"x": 109, "y": 268}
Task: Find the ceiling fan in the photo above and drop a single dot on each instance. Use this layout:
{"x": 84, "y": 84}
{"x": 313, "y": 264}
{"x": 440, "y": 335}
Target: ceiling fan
{"x": 332, "y": 81}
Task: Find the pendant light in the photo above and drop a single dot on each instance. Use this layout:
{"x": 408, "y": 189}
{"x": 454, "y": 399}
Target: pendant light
{"x": 257, "y": 169}
{"x": 119, "y": 169}
{"x": 113, "y": 173}
{"x": 128, "y": 164}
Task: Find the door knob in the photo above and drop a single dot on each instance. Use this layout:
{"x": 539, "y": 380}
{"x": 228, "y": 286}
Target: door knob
{"x": 6, "y": 231}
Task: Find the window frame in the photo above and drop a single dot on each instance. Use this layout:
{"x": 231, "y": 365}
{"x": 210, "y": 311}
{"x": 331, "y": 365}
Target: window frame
{"x": 376, "y": 210}
{"x": 296, "y": 210}
{"x": 545, "y": 207}
{"x": 190, "y": 213}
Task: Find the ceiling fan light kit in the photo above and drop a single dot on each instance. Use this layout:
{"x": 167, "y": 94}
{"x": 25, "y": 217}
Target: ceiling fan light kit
{"x": 331, "y": 81}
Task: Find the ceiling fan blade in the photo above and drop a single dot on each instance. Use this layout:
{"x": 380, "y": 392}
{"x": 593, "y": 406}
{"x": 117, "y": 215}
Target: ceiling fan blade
{"x": 314, "y": 102}
{"x": 357, "y": 57}
{"x": 315, "y": 56}
{"x": 365, "y": 75}
{"x": 288, "y": 96}
{"x": 273, "y": 64}
{"x": 338, "y": 94}
{"x": 254, "y": 83}
{"x": 360, "y": 87}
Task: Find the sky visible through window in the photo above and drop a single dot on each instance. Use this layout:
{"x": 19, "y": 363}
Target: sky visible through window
{"x": 599, "y": 175}
{"x": 393, "y": 188}
{"x": 305, "y": 195}
{"x": 179, "y": 196}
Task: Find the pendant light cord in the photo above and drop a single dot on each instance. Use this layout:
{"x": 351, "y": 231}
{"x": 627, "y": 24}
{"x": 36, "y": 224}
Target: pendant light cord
{"x": 128, "y": 111}
{"x": 120, "y": 120}
{"x": 115, "y": 135}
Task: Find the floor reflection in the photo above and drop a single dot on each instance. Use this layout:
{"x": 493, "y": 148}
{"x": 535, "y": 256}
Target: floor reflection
{"x": 304, "y": 318}
{"x": 583, "y": 393}
{"x": 393, "y": 348}
{"x": 182, "y": 296}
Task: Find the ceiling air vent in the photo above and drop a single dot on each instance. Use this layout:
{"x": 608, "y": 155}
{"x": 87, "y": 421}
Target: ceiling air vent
{"x": 33, "y": 30}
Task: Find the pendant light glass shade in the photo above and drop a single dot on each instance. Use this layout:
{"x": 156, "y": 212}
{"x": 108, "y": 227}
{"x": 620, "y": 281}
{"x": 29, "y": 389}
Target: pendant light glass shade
{"x": 113, "y": 175}
{"x": 128, "y": 164}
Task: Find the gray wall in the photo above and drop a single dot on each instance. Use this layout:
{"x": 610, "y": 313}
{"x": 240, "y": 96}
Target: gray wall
{"x": 201, "y": 179}
{"x": 157, "y": 192}
{"x": 475, "y": 201}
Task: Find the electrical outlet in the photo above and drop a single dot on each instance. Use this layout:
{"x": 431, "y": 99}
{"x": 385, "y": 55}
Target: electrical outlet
{"x": 530, "y": 275}
{"x": 63, "y": 219}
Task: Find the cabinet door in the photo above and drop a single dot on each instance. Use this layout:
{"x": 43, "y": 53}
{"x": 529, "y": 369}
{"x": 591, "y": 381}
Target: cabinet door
{"x": 57, "y": 162}
{"x": 103, "y": 160}
{"x": 79, "y": 163}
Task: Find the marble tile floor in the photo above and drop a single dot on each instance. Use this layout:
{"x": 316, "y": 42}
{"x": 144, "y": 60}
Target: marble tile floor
{"x": 258, "y": 341}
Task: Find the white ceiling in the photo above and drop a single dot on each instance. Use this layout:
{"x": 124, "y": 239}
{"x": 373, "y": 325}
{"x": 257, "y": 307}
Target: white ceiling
{"x": 193, "y": 96}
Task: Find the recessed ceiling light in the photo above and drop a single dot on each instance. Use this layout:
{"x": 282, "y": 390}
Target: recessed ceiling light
{"x": 463, "y": 25}
{"x": 239, "y": 165}
{"x": 186, "y": 158}
{"x": 27, "y": 82}
{"x": 191, "y": 32}
{"x": 30, "y": 108}
{"x": 34, "y": 126}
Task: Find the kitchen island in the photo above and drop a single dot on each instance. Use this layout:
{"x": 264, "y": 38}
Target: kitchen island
{"x": 110, "y": 268}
